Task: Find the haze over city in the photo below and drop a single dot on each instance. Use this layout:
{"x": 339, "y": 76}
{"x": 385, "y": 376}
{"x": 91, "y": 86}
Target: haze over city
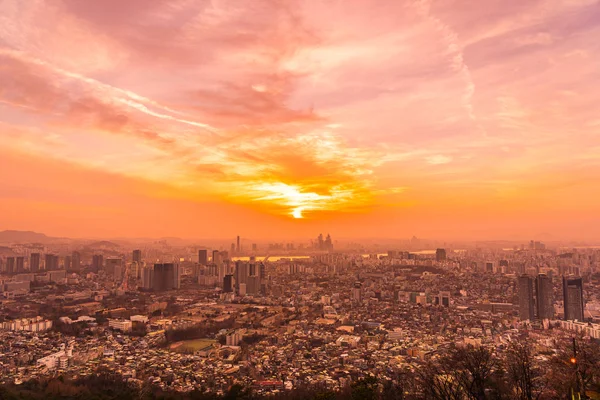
{"x": 300, "y": 199}
{"x": 453, "y": 120}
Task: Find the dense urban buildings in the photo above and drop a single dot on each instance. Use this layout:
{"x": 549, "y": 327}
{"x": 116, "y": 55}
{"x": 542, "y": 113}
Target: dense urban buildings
{"x": 251, "y": 319}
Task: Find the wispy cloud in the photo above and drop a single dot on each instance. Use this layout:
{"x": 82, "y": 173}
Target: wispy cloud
{"x": 307, "y": 108}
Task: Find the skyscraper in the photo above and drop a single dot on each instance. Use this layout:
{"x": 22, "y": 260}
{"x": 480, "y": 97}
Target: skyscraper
{"x": 165, "y": 277}
{"x": 113, "y": 267}
{"x": 34, "y": 262}
{"x": 51, "y": 262}
{"x": 76, "y": 260}
{"x": 238, "y": 248}
{"x": 203, "y": 257}
{"x": 526, "y": 297}
{"x": 137, "y": 256}
{"x": 10, "y": 265}
{"x": 20, "y": 265}
{"x": 68, "y": 262}
{"x": 544, "y": 297}
{"x": 440, "y": 255}
{"x": 242, "y": 271}
{"x": 97, "y": 262}
{"x": 573, "y": 298}
{"x": 176, "y": 276}
{"x": 228, "y": 284}
{"x": 147, "y": 274}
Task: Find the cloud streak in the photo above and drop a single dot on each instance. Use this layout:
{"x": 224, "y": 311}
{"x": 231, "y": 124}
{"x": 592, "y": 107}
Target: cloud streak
{"x": 307, "y": 108}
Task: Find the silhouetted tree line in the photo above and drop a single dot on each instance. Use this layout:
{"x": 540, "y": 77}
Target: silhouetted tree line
{"x": 461, "y": 373}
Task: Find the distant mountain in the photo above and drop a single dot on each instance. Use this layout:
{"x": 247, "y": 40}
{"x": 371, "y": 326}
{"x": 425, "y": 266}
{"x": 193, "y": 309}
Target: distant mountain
{"x": 23, "y": 237}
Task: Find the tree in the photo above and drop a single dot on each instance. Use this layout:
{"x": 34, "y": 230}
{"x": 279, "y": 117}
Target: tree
{"x": 524, "y": 375}
{"x": 365, "y": 389}
{"x": 463, "y": 372}
{"x": 576, "y": 367}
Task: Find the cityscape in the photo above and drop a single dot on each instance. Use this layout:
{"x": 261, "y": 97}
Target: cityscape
{"x": 289, "y": 318}
{"x": 299, "y": 199}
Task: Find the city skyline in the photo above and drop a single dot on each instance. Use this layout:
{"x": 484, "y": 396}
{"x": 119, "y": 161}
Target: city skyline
{"x": 454, "y": 121}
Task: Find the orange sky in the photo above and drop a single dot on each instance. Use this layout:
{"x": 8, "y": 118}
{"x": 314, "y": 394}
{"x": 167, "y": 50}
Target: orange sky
{"x": 282, "y": 119}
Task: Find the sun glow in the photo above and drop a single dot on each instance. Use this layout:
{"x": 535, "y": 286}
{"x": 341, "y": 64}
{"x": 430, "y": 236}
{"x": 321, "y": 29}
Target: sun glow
{"x": 297, "y": 213}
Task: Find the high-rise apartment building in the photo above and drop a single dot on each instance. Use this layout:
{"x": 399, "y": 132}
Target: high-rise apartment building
{"x": 51, "y": 262}
{"x": 68, "y": 262}
{"x": 113, "y": 266}
{"x": 526, "y": 310}
{"x": 147, "y": 275}
{"x": 34, "y": 262}
{"x": 97, "y": 262}
{"x": 137, "y": 256}
{"x": 440, "y": 255}
{"x": 228, "y": 284}
{"x": 10, "y": 265}
{"x": 216, "y": 259}
{"x": 544, "y": 297}
{"x": 76, "y": 260}
{"x": 20, "y": 265}
{"x": 166, "y": 277}
{"x": 573, "y": 298}
{"x": 203, "y": 257}
{"x": 242, "y": 271}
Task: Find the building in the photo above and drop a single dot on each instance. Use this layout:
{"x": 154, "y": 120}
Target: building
{"x": 97, "y": 262}
{"x": 68, "y": 262}
{"x": 324, "y": 245}
{"x": 34, "y": 262}
{"x": 216, "y": 259}
{"x": 57, "y": 275}
{"x": 234, "y": 338}
{"x": 10, "y": 265}
{"x": 228, "y": 284}
{"x": 20, "y": 265}
{"x": 203, "y": 257}
{"x": 37, "y": 324}
{"x": 442, "y": 299}
{"x": 573, "y": 298}
{"x": 253, "y": 285}
{"x": 544, "y": 297}
{"x": 114, "y": 267}
{"x": 166, "y": 277}
{"x": 59, "y": 359}
{"x": 147, "y": 275}
{"x": 76, "y": 260}
{"x": 51, "y": 262}
{"x": 15, "y": 286}
{"x": 137, "y": 256}
{"x": 123, "y": 325}
{"x": 176, "y": 276}
{"x": 357, "y": 292}
{"x": 526, "y": 310}
{"x": 440, "y": 255}
{"x": 242, "y": 271}
{"x": 238, "y": 248}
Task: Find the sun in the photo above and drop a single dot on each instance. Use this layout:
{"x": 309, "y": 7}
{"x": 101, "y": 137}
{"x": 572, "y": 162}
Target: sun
{"x": 297, "y": 213}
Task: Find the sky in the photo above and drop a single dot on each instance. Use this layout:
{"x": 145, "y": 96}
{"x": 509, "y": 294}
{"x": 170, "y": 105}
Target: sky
{"x": 453, "y": 119}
